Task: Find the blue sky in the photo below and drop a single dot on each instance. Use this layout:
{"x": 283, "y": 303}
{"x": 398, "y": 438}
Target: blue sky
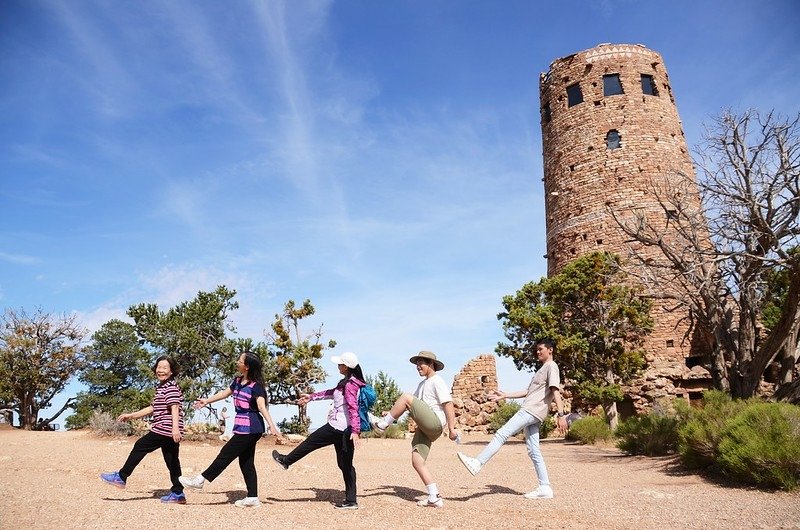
{"x": 380, "y": 158}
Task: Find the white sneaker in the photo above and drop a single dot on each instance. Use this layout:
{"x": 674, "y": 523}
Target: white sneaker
{"x": 374, "y": 420}
{"x": 473, "y": 465}
{"x": 427, "y": 502}
{"x": 248, "y": 502}
{"x": 542, "y": 492}
{"x": 196, "y": 482}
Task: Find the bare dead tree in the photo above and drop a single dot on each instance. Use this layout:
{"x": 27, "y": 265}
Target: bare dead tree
{"x": 39, "y": 354}
{"x": 719, "y": 238}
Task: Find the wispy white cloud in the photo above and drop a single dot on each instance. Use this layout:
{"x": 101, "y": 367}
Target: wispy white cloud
{"x": 19, "y": 259}
{"x": 102, "y": 73}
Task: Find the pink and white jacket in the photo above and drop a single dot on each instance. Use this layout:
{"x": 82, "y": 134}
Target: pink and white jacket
{"x": 344, "y": 410}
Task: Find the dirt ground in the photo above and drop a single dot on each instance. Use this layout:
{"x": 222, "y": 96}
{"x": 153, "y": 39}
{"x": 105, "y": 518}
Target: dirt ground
{"x": 50, "y": 480}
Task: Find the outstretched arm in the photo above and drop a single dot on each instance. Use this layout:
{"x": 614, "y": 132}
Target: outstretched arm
{"x": 497, "y": 395}
{"x": 222, "y": 394}
{"x": 138, "y": 414}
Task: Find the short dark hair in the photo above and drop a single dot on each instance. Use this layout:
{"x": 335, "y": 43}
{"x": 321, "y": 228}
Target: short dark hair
{"x": 547, "y": 342}
{"x": 173, "y": 365}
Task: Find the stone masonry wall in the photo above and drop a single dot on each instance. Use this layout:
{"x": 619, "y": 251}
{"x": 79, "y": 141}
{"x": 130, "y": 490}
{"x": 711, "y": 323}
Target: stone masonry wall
{"x": 471, "y": 387}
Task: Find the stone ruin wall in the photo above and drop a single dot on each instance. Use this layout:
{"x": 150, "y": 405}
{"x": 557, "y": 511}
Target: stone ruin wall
{"x": 471, "y": 387}
{"x": 584, "y": 179}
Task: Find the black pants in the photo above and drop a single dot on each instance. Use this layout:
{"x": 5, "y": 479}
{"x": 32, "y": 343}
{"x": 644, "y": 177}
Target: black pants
{"x": 322, "y": 437}
{"x": 149, "y": 443}
{"x": 242, "y": 446}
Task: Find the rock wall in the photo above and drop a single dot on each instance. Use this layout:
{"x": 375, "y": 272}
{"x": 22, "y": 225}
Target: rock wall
{"x": 471, "y": 387}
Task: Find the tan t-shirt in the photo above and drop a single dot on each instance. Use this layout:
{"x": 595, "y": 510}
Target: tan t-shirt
{"x": 540, "y": 391}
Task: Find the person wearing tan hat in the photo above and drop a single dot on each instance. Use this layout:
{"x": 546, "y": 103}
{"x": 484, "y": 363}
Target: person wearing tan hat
{"x": 431, "y": 408}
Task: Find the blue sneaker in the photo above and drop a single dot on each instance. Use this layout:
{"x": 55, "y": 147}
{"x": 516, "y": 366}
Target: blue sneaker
{"x": 113, "y": 479}
{"x": 174, "y": 498}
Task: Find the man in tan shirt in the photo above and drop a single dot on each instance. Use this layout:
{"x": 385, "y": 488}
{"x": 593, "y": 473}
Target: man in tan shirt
{"x": 542, "y": 390}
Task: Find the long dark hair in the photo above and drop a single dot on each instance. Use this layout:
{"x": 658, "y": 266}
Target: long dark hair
{"x": 253, "y": 364}
{"x": 352, "y": 372}
{"x": 173, "y": 365}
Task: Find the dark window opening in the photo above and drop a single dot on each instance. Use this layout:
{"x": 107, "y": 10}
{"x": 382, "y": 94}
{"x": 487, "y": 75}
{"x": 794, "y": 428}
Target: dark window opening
{"x": 546, "y": 113}
{"x": 613, "y": 139}
{"x": 612, "y": 85}
{"x": 670, "y": 343}
{"x": 599, "y": 241}
{"x": 672, "y": 214}
{"x": 691, "y": 362}
{"x": 648, "y": 85}
{"x": 574, "y": 95}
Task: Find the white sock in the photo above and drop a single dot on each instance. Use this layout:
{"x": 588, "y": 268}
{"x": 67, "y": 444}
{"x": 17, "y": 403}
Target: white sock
{"x": 433, "y": 492}
{"x": 386, "y": 421}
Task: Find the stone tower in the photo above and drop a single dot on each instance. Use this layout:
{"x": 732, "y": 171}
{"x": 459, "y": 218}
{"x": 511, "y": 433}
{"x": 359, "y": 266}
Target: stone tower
{"x": 610, "y": 129}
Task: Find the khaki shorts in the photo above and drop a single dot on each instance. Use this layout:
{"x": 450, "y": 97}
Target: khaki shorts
{"x": 429, "y": 427}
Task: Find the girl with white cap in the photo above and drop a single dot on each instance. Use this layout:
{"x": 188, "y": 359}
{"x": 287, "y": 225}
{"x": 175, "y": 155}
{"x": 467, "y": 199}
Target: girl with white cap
{"x": 342, "y": 430}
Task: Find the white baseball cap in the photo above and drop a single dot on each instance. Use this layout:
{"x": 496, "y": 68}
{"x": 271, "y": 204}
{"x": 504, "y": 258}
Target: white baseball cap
{"x": 348, "y": 359}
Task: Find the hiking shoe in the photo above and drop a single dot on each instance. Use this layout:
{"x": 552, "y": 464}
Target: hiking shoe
{"x": 113, "y": 479}
{"x": 280, "y": 459}
{"x": 346, "y": 505}
{"x": 196, "y": 482}
{"x": 373, "y": 420}
{"x": 428, "y": 503}
{"x": 248, "y": 502}
{"x": 174, "y": 498}
{"x": 473, "y": 465}
{"x": 542, "y": 492}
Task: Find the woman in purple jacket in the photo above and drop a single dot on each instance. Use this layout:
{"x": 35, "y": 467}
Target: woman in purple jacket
{"x": 343, "y": 427}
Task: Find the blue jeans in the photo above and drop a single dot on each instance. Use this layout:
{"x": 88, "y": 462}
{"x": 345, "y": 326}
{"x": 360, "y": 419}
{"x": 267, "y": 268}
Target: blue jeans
{"x": 519, "y": 421}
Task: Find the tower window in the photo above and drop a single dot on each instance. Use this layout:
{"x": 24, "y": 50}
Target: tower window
{"x": 613, "y": 139}
{"x": 574, "y": 95}
{"x": 612, "y": 85}
{"x": 648, "y": 85}
{"x": 546, "y": 113}
{"x": 670, "y": 343}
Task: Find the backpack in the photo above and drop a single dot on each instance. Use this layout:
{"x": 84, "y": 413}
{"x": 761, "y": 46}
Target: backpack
{"x": 366, "y": 399}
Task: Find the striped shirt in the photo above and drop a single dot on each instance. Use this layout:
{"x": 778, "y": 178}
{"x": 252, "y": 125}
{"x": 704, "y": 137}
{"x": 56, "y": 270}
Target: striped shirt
{"x": 248, "y": 420}
{"x": 167, "y": 394}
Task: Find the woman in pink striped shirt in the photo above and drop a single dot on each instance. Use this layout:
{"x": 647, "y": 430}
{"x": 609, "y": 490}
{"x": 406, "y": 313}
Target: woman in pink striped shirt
{"x": 165, "y": 433}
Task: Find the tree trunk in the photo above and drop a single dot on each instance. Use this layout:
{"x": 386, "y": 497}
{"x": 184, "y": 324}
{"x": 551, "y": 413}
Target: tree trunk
{"x": 611, "y": 415}
{"x": 719, "y": 370}
{"x": 302, "y": 413}
{"x": 789, "y": 357}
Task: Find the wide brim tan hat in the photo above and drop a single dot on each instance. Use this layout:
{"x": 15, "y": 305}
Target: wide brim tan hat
{"x": 437, "y": 364}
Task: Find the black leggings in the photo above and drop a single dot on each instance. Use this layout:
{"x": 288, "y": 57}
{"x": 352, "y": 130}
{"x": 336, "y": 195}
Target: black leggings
{"x": 242, "y": 446}
{"x": 322, "y": 437}
{"x": 149, "y": 443}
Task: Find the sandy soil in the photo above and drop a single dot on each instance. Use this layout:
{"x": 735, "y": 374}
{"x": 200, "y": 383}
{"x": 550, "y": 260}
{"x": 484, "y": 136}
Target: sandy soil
{"x": 50, "y": 480}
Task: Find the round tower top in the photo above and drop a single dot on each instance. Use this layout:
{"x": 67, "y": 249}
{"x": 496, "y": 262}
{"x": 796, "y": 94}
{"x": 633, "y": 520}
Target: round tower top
{"x": 604, "y": 52}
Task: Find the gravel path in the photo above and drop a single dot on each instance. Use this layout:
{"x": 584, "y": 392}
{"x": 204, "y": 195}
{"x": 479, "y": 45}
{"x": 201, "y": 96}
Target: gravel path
{"x": 50, "y": 480}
